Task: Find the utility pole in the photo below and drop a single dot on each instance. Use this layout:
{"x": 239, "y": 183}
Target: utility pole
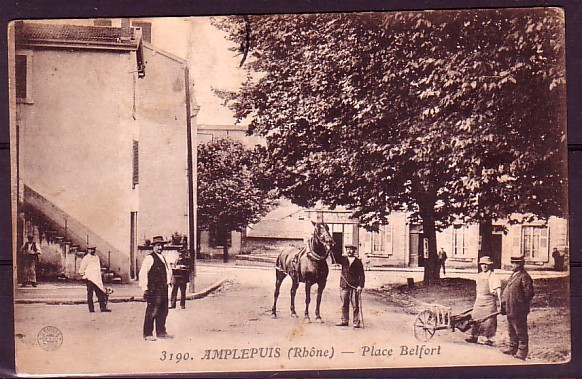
{"x": 191, "y": 112}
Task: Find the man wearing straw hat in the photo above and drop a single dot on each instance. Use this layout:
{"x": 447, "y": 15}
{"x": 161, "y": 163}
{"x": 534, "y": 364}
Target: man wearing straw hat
{"x": 154, "y": 277}
{"x": 515, "y": 303}
{"x": 488, "y": 295}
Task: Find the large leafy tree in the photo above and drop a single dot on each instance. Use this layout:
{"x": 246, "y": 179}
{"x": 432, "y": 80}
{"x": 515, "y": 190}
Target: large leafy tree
{"x": 232, "y": 188}
{"x": 447, "y": 115}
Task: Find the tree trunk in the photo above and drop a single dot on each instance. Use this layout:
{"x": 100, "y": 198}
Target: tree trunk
{"x": 431, "y": 265}
{"x": 224, "y": 238}
{"x": 225, "y": 252}
{"x": 485, "y": 234}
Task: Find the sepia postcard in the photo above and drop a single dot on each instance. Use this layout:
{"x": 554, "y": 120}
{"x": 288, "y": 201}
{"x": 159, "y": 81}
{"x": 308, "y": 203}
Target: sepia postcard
{"x": 269, "y": 193}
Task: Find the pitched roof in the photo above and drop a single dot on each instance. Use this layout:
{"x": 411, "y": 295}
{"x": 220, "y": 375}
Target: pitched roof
{"x": 281, "y": 229}
{"x": 77, "y": 36}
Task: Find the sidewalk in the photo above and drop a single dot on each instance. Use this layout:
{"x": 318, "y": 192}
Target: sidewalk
{"x": 76, "y": 292}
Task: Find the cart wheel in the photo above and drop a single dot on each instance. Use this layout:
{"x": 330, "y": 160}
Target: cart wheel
{"x": 425, "y": 325}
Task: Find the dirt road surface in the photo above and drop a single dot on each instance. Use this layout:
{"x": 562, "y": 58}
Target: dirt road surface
{"x": 232, "y": 330}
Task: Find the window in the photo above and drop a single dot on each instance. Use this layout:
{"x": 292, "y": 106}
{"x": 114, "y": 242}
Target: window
{"x": 135, "y": 179}
{"x": 534, "y": 242}
{"x": 459, "y": 240}
{"x": 382, "y": 241}
{"x": 22, "y": 73}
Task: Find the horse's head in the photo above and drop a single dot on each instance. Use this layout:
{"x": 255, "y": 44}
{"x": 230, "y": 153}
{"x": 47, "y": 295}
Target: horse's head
{"x": 322, "y": 239}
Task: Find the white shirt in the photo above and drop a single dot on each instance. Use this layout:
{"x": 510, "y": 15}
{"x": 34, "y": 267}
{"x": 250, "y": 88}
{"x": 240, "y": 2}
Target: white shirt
{"x": 494, "y": 282}
{"x": 91, "y": 270}
{"x": 147, "y": 265}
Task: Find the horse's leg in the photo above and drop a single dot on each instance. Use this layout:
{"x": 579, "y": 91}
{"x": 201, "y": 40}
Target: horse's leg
{"x": 279, "y": 276}
{"x": 308, "y": 285}
{"x": 294, "y": 287}
{"x": 320, "y": 288}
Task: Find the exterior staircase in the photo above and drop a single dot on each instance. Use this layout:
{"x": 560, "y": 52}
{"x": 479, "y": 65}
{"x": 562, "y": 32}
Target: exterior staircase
{"x": 59, "y": 233}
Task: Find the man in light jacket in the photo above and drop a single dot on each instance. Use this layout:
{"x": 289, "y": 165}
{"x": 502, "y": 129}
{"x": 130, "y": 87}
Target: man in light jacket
{"x": 91, "y": 271}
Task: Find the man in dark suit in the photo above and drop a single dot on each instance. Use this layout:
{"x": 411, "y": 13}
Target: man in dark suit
{"x": 154, "y": 277}
{"x": 351, "y": 284}
{"x": 515, "y": 303}
{"x": 180, "y": 279}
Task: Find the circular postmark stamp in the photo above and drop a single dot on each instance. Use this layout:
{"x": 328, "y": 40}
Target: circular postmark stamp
{"x": 50, "y": 338}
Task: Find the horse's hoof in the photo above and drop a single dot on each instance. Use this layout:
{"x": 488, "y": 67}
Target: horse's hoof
{"x": 307, "y": 319}
{"x": 273, "y": 316}
{"x": 319, "y": 319}
{"x": 294, "y": 315}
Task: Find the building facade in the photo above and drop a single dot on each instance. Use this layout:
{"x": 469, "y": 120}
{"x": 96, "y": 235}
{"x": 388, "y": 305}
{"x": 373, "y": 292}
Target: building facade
{"x": 99, "y": 126}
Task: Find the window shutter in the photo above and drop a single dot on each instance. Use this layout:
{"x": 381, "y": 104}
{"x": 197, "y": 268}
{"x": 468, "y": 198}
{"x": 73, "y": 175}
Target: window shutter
{"x": 544, "y": 251}
{"x": 389, "y": 247}
{"x": 21, "y": 76}
{"x": 135, "y": 180}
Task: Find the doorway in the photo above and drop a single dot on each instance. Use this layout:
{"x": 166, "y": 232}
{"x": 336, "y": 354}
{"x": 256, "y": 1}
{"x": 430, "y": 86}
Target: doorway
{"x": 338, "y": 244}
{"x": 416, "y": 256}
{"x": 496, "y": 246}
{"x": 133, "y": 246}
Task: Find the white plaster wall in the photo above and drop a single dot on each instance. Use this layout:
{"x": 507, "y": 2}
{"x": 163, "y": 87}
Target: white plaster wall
{"x": 161, "y": 115}
{"x": 74, "y": 143}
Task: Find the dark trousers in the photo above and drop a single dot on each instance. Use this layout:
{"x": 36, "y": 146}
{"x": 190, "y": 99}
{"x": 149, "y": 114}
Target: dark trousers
{"x": 156, "y": 313}
{"x": 442, "y": 263}
{"x": 518, "y": 337}
{"x": 101, "y": 297}
{"x": 182, "y": 287}
{"x": 350, "y": 295}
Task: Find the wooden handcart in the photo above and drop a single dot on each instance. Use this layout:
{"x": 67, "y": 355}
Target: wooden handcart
{"x": 438, "y": 317}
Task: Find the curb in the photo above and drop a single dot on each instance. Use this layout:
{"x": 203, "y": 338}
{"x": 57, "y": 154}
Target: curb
{"x": 125, "y": 299}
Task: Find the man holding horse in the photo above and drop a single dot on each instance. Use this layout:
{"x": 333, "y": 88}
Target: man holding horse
{"x": 351, "y": 284}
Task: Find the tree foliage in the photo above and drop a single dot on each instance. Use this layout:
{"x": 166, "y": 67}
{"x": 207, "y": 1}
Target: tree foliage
{"x": 448, "y": 114}
{"x": 232, "y": 188}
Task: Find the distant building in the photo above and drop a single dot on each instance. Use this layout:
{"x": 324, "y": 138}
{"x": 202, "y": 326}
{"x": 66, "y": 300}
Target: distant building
{"x": 400, "y": 242}
{"x": 236, "y": 132}
{"x": 209, "y": 242}
{"x": 100, "y": 133}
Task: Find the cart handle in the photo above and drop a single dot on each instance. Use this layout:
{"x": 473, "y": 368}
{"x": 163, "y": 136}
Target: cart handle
{"x": 486, "y": 317}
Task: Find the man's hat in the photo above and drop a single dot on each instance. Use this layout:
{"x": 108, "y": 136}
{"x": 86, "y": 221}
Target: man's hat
{"x": 351, "y": 247}
{"x": 158, "y": 240}
{"x": 30, "y": 236}
{"x": 486, "y": 260}
{"x": 91, "y": 247}
{"x": 518, "y": 259}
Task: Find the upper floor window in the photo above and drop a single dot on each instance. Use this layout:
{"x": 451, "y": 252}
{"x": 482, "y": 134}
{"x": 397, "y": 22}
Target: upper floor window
{"x": 22, "y": 73}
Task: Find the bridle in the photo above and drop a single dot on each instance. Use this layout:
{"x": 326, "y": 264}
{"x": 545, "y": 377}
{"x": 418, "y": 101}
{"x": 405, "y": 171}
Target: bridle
{"x": 316, "y": 240}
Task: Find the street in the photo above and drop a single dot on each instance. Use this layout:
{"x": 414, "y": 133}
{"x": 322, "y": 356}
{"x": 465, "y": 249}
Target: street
{"x": 232, "y": 330}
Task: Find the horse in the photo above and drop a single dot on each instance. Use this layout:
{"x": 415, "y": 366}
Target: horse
{"x": 305, "y": 265}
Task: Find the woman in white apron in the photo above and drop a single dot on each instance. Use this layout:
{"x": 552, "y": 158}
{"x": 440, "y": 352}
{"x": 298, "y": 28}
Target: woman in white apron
{"x": 486, "y": 302}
